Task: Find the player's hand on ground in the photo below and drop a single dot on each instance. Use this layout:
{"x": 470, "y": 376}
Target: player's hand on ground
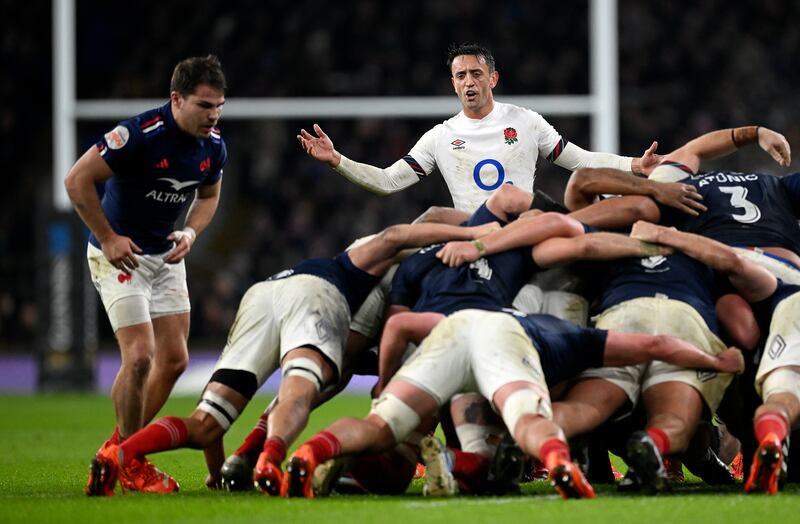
{"x": 319, "y": 147}
{"x": 680, "y": 196}
{"x": 648, "y": 161}
{"x": 183, "y": 238}
{"x": 484, "y": 229}
{"x": 121, "y": 251}
{"x": 455, "y": 254}
{"x": 776, "y": 145}
{"x": 646, "y": 231}
{"x": 731, "y": 360}
{"x": 214, "y": 482}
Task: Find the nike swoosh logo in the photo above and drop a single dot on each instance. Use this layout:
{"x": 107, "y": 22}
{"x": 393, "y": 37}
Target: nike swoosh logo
{"x": 177, "y": 185}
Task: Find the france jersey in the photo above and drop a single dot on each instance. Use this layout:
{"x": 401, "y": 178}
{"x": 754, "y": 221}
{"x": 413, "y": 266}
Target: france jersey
{"x": 354, "y": 283}
{"x": 676, "y": 276}
{"x": 424, "y": 284}
{"x": 744, "y": 209}
{"x": 564, "y": 348}
{"x": 157, "y": 168}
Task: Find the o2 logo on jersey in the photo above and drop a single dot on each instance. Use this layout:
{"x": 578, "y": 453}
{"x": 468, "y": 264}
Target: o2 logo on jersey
{"x": 501, "y": 174}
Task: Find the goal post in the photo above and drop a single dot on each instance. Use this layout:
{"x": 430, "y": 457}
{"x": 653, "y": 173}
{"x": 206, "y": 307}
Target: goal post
{"x": 69, "y": 340}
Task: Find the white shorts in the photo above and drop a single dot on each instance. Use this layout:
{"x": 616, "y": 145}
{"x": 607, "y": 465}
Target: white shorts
{"x": 154, "y": 289}
{"x": 368, "y": 320}
{"x": 782, "y": 348}
{"x": 785, "y": 272}
{"x": 559, "y": 295}
{"x": 474, "y": 350}
{"x": 662, "y": 316}
{"x": 277, "y": 316}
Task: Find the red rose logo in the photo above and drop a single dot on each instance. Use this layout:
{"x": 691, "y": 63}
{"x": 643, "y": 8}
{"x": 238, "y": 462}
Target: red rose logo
{"x": 510, "y": 135}
{"x": 124, "y": 278}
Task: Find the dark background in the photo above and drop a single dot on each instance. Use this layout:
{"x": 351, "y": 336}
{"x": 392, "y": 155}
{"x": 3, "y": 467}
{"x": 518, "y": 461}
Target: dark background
{"x": 684, "y": 69}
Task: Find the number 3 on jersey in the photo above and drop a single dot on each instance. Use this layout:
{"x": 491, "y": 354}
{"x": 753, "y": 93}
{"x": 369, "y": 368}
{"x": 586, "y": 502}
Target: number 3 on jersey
{"x": 750, "y": 212}
{"x": 501, "y": 174}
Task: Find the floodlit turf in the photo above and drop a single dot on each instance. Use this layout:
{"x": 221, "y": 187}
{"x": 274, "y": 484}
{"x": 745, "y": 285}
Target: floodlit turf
{"x": 48, "y": 441}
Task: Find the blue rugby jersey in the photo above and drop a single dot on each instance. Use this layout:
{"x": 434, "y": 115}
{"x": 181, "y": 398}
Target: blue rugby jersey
{"x": 564, "y": 348}
{"x": 354, "y": 283}
{"x": 157, "y": 168}
{"x": 744, "y": 209}
{"x": 424, "y": 284}
{"x": 676, "y": 276}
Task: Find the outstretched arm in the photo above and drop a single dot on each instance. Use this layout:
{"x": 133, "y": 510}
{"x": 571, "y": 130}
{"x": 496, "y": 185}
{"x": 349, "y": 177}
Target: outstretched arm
{"x": 399, "y": 330}
{"x": 574, "y": 157}
{"x": 627, "y": 349}
{"x": 520, "y": 233}
{"x": 378, "y": 254}
{"x": 593, "y": 246}
{"x": 752, "y": 281}
{"x": 725, "y": 141}
{"x": 396, "y": 177}
{"x": 586, "y": 184}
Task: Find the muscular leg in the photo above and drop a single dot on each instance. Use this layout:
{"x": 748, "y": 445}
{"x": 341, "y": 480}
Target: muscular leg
{"x": 587, "y": 405}
{"x": 169, "y": 361}
{"x": 137, "y": 345}
{"x": 675, "y": 409}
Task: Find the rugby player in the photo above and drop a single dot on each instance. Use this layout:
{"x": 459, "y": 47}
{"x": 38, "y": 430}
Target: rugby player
{"x": 778, "y": 375}
{"x": 153, "y": 165}
{"x": 297, "y": 320}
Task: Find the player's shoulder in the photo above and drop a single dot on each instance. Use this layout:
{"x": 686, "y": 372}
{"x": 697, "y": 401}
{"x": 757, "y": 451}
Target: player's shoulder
{"x": 513, "y": 111}
{"x": 151, "y": 123}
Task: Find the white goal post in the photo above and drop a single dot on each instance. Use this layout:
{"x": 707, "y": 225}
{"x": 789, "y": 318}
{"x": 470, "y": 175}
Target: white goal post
{"x": 600, "y": 105}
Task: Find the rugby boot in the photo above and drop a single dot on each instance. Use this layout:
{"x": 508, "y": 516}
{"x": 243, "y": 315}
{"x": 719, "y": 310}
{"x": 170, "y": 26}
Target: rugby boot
{"x": 297, "y": 481}
{"x": 419, "y": 471}
{"x": 674, "y": 469}
{"x": 508, "y": 465}
{"x": 737, "y": 467}
{"x": 237, "y": 474}
{"x": 439, "y": 481}
{"x": 142, "y": 475}
{"x": 710, "y": 468}
{"x": 103, "y": 472}
{"x": 569, "y": 481}
{"x": 645, "y": 465}
{"x": 766, "y": 469}
{"x": 327, "y": 475}
{"x": 268, "y": 475}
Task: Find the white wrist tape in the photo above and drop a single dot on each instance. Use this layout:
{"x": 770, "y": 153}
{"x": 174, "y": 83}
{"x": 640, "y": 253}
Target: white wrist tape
{"x": 186, "y": 232}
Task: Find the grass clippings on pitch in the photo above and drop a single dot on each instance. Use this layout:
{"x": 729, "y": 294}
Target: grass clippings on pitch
{"x": 48, "y": 441}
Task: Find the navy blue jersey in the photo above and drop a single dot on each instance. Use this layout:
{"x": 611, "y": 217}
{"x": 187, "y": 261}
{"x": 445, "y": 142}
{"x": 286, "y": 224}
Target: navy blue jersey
{"x": 744, "y": 209}
{"x": 764, "y": 309}
{"x": 565, "y": 349}
{"x": 424, "y": 284}
{"x": 157, "y": 168}
{"x": 676, "y": 276}
{"x": 354, "y": 283}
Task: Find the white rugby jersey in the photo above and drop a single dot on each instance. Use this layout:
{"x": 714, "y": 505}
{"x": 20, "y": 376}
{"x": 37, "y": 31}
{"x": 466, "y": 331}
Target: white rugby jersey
{"x": 476, "y": 157}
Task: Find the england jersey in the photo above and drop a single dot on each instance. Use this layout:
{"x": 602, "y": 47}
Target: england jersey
{"x": 744, "y": 209}
{"x": 476, "y": 157}
{"x": 157, "y": 168}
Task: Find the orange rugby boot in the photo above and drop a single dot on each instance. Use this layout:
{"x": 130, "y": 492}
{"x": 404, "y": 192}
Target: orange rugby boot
{"x": 297, "y": 482}
{"x": 268, "y": 475}
{"x": 569, "y": 481}
{"x": 766, "y": 469}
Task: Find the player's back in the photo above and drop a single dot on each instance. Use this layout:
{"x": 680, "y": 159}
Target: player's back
{"x": 745, "y": 209}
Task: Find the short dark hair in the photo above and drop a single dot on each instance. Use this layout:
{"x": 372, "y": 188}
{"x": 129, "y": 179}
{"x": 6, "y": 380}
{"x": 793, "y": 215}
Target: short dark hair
{"x": 470, "y": 49}
{"x": 195, "y": 71}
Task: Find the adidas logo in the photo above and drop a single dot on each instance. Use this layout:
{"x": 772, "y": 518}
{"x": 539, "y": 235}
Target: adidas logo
{"x": 163, "y": 164}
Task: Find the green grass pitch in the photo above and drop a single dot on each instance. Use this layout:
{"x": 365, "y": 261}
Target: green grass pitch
{"x": 46, "y": 443}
